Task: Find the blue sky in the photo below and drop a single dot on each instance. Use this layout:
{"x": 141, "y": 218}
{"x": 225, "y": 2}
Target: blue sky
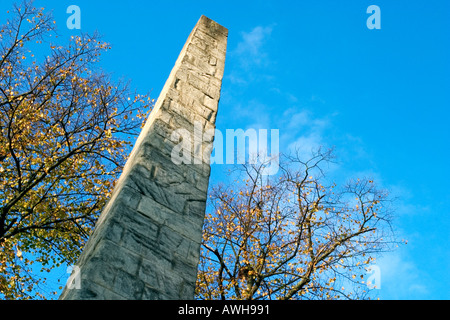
{"x": 313, "y": 70}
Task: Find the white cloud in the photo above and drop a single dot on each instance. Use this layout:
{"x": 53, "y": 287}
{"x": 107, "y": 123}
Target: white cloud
{"x": 401, "y": 278}
{"x": 316, "y": 98}
{"x": 306, "y": 145}
{"x": 296, "y": 120}
{"x": 249, "y": 56}
{"x": 236, "y": 79}
{"x": 249, "y": 49}
{"x": 302, "y": 131}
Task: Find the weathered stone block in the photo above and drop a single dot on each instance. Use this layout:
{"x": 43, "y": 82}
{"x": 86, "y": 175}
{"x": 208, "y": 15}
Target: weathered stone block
{"x": 196, "y": 209}
{"x": 115, "y": 256}
{"x": 128, "y": 285}
{"x": 178, "y": 246}
{"x": 138, "y": 223}
{"x": 99, "y": 271}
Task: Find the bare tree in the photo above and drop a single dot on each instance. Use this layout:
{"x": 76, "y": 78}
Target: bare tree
{"x": 292, "y": 236}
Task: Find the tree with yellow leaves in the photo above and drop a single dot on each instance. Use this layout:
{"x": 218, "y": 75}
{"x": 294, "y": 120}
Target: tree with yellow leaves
{"x": 64, "y": 133}
{"x": 292, "y": 236}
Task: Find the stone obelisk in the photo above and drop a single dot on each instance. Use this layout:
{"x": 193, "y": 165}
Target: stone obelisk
{"x": 146, "y": 243}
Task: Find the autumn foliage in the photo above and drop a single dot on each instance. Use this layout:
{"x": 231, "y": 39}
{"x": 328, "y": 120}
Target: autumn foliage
{"x": 64, "y": 136}
{"x": 293, "y": 235}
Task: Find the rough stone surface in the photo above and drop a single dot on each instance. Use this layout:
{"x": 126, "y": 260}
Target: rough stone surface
{"x": 146, "y": 243}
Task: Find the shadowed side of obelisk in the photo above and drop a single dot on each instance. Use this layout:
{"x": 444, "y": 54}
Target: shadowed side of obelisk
{"x": 146, "y": 243}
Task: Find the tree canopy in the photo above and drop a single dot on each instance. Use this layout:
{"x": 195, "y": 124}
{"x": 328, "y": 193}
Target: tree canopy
{"x": 293, "y": 235}
{"x": 65, "y": 129}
